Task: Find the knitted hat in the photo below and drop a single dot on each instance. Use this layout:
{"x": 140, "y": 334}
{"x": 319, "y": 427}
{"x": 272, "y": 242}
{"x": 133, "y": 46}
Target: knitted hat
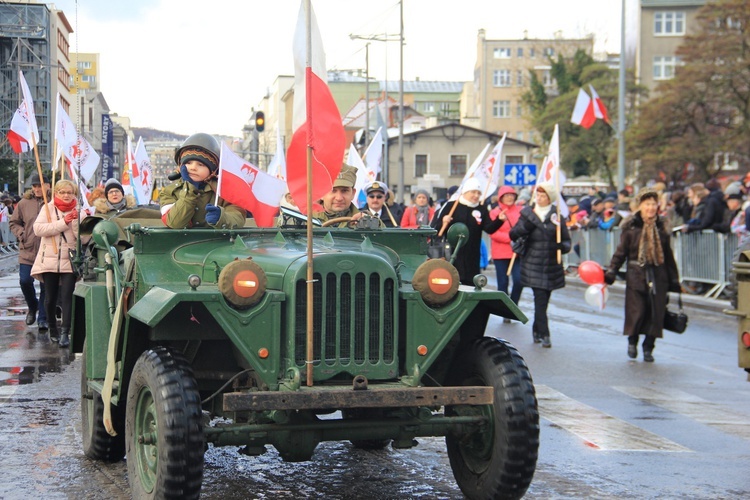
{"x": 206, "y": 157}
{"x": 548, "y": 188}
{"x": 571, "y": 202}
{"x": 471, "y": 184}
{"x": 422, "y": 191}
{"x": 347, "y": 177}
{"x": 647, "y": 193}
{"x": 113, "y": 184}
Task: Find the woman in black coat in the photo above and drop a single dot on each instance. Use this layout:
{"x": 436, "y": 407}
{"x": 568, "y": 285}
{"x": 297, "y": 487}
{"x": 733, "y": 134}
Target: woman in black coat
{"x": 477, "y": 219}
{"x": 651, "y": 273}
{"x": 540, "y": 270}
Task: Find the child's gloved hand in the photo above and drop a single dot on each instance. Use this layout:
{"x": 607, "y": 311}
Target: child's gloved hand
{"x": 213, "y": 214}
{"x": 186, "y": 177}
{"x": 71, "y": 216}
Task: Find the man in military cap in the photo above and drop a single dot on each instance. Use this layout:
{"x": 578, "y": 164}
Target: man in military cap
{"x": 377, "y": 192}
{"x": 338, "y": 201}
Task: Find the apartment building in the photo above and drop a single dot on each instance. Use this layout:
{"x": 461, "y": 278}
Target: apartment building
{"x": 84, "y": 72}
{"x": 663, "y": 27}
{"x": 493, "y": 101}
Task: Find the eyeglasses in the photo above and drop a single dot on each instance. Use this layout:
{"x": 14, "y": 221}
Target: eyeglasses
{"x": 65, "y": 193}
{"x": 378, "y": 196}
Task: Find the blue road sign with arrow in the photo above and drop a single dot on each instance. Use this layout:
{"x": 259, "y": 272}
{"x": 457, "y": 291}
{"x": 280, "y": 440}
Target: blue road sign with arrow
{"x": 520, "y": 174}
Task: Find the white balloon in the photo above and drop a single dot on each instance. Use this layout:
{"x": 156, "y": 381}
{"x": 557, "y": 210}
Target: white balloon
{"x": 596, "y": 296}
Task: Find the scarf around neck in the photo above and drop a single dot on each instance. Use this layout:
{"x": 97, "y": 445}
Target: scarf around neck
{"x": 423, "y": 215}
{"x": 63, "y": 206}
{"x": 649, "y": 248}
{"x": 464, "y": 201}
{"x": 542, "y": 212}
{"x": 118, "y": 206}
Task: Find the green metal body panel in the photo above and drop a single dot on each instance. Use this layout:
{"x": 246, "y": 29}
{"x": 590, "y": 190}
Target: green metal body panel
{"x": 97, "y": 322}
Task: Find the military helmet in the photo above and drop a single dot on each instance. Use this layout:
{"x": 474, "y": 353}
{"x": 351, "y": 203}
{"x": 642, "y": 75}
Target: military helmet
{"x": 202, "y": 147}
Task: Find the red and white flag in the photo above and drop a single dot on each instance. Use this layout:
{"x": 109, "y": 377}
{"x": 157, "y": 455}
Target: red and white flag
{"x": 488, "y": 172}
{"x": 583, "y": 113}
{"x": 316, "y": 121}
{"x": 141, "y": 175}
{"x": 23, "y": 133}
{"x": 551, "y": 171}
{"x": 81, "y": 155}
{"x": 243, "y": 184}
{"x": 600, "y": 110}
{"x": 66, "y": 135}
{"x": 127, "y": 168}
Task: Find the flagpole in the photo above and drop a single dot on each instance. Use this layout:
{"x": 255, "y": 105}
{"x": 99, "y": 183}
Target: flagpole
{"x": 308, "y": 113}
{"x": 558, "y": 232}
{"x": 41, "y": 181}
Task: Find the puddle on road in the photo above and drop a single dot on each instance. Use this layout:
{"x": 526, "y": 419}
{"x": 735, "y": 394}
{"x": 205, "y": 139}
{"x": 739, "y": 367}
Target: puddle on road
{"x": 33, "y": 354}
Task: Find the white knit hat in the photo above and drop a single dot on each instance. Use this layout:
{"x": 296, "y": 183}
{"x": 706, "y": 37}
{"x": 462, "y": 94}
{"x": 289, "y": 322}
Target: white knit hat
{"x": 471, "y": 184}
{"x": 548, "y": 188}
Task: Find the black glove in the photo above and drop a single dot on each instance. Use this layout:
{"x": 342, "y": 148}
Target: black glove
{"x": 609, "y": 277}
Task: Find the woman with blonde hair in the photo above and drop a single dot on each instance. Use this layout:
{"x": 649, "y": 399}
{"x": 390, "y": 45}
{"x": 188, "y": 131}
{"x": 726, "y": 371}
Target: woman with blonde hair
{"x": 57, "y": 226}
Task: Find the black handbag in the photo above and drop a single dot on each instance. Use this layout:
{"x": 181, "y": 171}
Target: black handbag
{"x": 676, "y": 321}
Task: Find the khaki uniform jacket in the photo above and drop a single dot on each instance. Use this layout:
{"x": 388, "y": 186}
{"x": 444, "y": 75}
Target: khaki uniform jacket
{"x": 64, "y": 236}
{"x": 184, "y": 206}
{"x": 324, "y": 216}
{"x": 22, "y": 225}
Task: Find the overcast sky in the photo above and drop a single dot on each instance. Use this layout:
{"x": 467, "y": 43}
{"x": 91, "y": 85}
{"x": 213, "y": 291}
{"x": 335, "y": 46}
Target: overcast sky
{"x": 196, "y": 65}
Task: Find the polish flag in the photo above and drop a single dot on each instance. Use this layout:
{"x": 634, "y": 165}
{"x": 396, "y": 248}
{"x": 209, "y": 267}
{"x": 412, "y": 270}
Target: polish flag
{"x": 583, "y": 113}
{"x": 600, "y": 110}
{"x": 65, "y": 133}
{"x": 317, "y": 121}
{"x": 243, "y": 184}
{"x": 23, "y": 133}
{"x": 81, "y": 155}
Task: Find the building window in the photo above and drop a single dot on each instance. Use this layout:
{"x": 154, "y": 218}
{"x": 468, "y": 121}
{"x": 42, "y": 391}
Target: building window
{"x": 63, "y": 76}
{"x": 502, "y": 53}
{"x": 458, "y": 165}
{"x": 62, "y": 44}
{"x": 420, "y": 165}
{"x": 549, "y": 52}
{"x": 664, "y": 67}
{"x": 428, "y": 107}
{"x": 514, "y": 159}
{"x": 547, "y": 79}
{"x": 519, "y": 110}
{"x": 88, "y": 78}
{"x": 501, "y": 78}
{"x": 84, "y": 65}
{"x": 519, "y": 136}
{"x": 519, "y": 78}
{"x": 445, "y": 107}
{"x": 532, "y": 52}
{"x": 501, "y": 109}
{"x": 669, "y": 23}
{"x": 519, "y": 52}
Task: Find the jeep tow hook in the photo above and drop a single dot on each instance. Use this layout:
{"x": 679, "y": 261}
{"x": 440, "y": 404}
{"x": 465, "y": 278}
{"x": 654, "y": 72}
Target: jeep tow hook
{"x": 359, "y": 383}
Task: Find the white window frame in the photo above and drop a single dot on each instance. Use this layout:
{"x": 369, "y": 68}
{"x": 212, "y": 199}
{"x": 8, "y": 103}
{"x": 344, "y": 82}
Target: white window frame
{"x": 669, "y": 23}
{"x": 501, "y": 109}
{"x": 549, "y": 52}
{"x": 501, "y": 78}
{"x": 428, "y": 107}
{"x": 664, "y": 67}
{"x": 501, "y": 53}
{"x": 519, "y": 78}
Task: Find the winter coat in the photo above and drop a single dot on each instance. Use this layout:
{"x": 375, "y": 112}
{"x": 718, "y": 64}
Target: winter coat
{"x": 183, "y": 206}
{"x": 501, "y": 238}
{"x": 644, "y": 313}
{"x": 101, "y": 207}
{"x": 409, "y": 219}
{"x": 539, "y": 267}
{"x": 477, "y": 219}
{"x": 708, "y": 213}
{"x": 22, "y": 225}
{"x": 54, "y": 257}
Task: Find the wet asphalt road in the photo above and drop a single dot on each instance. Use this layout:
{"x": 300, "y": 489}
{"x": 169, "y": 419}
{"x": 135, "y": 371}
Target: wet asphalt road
{"x": 610, "y": 427}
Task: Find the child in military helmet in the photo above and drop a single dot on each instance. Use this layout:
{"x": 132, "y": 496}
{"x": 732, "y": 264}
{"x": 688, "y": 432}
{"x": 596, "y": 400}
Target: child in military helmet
{"x": 189, "y": 202}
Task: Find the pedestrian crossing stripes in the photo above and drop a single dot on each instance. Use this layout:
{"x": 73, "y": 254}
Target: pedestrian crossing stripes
{"x": 700, "y": 410}
{"x": 598, "y": 429}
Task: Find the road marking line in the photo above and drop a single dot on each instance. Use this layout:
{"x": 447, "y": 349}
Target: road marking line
{"x": 598, "y": 429}
{"x": 714, "y": 415}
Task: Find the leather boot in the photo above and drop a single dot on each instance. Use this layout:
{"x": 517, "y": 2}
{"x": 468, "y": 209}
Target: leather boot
{"x": 53, "y": 333}
{"x": 64, "y": 337}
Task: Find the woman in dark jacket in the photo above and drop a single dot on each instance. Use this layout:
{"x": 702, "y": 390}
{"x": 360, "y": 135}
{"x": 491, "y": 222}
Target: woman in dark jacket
{"x": 477, "y": 219}
{"x": 651, "y": 272}
{"x": 540, "y": 269}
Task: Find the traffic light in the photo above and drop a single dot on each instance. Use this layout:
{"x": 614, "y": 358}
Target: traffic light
{"x": 260, "y": 121}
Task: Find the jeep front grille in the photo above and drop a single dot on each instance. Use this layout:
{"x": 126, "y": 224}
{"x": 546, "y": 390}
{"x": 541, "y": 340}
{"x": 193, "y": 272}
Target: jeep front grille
{"x": 353, "y": 319}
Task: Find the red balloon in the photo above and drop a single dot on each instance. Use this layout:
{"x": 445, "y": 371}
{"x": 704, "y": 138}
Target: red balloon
{"x": 591, "y": 272}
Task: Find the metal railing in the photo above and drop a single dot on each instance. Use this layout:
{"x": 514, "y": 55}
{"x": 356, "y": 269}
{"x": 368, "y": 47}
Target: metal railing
{"x": 702, "y": 257}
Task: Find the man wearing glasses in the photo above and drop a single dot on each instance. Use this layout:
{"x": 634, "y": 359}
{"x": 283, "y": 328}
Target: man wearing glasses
{"x": 22, "y": 225}
{"x": 376, "y": 193}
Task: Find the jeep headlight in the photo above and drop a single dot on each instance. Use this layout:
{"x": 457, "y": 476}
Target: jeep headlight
{"x": 436, "y": 281}
{"x": 242, "y": 283}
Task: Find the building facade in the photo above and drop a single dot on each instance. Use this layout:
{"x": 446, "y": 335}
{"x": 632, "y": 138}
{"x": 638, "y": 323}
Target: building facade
{"x": 84, "y": 72}
{"x": 502, "y": 76}
{"x": 663, "y": 27}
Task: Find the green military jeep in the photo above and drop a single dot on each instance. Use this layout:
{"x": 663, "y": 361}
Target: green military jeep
{"x": 226, "y": 337}
{"x": 740, "y": 300}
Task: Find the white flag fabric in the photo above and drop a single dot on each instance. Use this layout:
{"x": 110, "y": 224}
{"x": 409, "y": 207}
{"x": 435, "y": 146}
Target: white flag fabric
{"x": 374, "y": 153}
{"x": 23, "y": 132}
{"x": 600, "y": 111}
{"x": 243, "y": 184}
{"x": 141, "y": 177}
{"x": 472, "y": 170}
{"x": 83, "y": 157}
{"x": 277, "y": 167}
{"x": 488, "y": 172}
{"x": 66, "y": 135}
{"x": 551, "y": 171}
{"x": 583, "y": 112}
{"x": 364, "y": 176}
